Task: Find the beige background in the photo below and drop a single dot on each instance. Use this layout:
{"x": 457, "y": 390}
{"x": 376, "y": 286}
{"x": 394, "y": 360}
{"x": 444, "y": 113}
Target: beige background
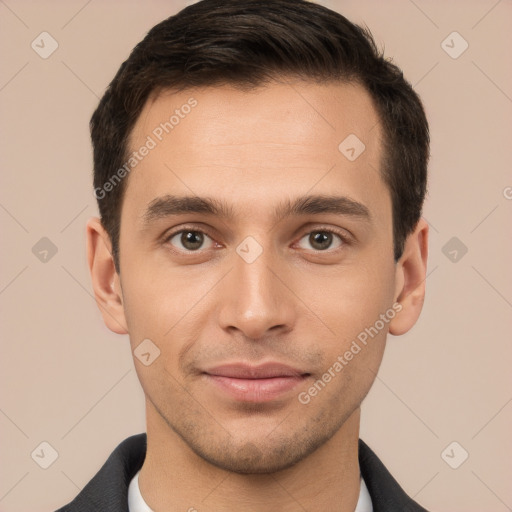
{"x": 69, "y": 381}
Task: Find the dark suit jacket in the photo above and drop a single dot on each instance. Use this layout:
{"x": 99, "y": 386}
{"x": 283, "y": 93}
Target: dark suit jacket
{"x": 108, "y": 490}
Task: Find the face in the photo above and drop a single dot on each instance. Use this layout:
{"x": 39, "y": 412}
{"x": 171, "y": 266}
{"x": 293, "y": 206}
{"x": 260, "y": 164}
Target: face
{"x": 253, "y": 253}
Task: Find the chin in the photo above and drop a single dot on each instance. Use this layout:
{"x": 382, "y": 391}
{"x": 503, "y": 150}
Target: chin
{"x": 259, "y": 457}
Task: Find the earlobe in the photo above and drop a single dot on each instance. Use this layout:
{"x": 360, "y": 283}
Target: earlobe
{"x": 105, "y": 279}
{"x": 410, "y": 278}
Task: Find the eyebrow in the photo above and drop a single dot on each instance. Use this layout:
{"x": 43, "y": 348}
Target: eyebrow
{"x": 170, "y": 205}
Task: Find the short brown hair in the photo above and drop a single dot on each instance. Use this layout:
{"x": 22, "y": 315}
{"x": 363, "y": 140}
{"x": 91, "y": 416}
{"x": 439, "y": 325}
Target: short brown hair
{"x": 248, "y": 43}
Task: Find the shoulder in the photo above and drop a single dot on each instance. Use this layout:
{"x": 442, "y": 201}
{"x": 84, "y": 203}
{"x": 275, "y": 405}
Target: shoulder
{"x": 385, "y": 491}
{"x": 108, "y": 489}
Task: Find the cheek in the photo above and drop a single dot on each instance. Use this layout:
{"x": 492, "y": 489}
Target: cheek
{"x": 357, "y": 308}
{"x": 351, "y": 299}
{"x": 156, "y": 302}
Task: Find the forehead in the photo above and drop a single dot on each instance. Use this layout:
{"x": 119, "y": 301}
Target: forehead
{"x": 310, "y": 113}
{"x": 254, "y": 146}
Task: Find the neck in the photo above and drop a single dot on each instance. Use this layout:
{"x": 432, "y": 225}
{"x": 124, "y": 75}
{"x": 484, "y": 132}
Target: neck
{"x": 174, "y": 478}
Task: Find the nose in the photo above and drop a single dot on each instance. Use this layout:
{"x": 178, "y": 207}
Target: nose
{"x": 257, "y": 298}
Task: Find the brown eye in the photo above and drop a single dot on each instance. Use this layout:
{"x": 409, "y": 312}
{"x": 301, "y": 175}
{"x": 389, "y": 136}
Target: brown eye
{"x": 321, "y": 240}
{"x": 188, "y": 240}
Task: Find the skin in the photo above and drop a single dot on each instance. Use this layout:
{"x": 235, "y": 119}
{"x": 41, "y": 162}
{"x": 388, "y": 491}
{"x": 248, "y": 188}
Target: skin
{"x": 299, "y": 303}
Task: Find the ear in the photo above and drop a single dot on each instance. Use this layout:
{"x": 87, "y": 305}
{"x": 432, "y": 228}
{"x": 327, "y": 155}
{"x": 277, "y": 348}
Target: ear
{"x": 411, "y": 270}
{"x": 105, "y": 279}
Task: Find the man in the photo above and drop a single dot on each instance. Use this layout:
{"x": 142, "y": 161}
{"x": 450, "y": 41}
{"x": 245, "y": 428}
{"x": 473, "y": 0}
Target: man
{"x": 260, "y": 172}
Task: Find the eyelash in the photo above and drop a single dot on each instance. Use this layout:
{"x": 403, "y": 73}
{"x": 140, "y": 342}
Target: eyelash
{"x": 344, "y": 238}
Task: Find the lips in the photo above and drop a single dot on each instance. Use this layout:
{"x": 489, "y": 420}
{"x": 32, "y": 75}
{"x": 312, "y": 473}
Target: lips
{"x": 248, "y": 383}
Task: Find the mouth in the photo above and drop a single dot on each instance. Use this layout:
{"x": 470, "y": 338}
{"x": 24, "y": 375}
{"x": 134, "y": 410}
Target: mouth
{"x": 258, "y": 384}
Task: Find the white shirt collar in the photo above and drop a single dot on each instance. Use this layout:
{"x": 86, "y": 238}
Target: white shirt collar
{"x": 136, "y": 502}
{"x": 364, "y": 503}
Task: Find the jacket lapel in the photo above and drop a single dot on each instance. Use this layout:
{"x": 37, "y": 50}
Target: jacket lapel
{"x": 385, "y": 492}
